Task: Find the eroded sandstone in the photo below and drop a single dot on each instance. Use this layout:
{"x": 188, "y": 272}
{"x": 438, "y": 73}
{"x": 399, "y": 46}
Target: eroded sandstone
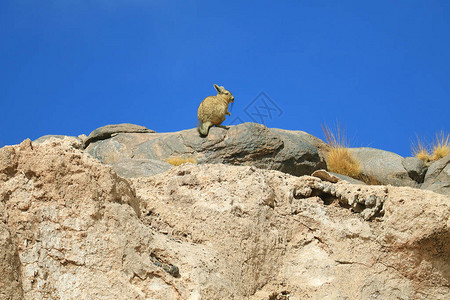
{"x": 73, "y": 228}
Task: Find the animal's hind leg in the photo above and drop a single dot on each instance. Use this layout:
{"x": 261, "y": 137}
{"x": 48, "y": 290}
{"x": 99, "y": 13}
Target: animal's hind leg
{"x": 204, "y": 128}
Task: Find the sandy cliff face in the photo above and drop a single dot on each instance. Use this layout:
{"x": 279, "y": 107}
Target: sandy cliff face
{"x": 72, "y": 228}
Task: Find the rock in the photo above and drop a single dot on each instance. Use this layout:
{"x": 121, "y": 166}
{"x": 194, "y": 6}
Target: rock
{"x": 330, "y": 245}
{"x": 347, "y": 178}
{"x": 83, "y": 138}
{"x": 69, "y": 241}
{"x": 211, "y": 231}
{"x": 366, "y": 200}
{"x": 384, "y": 166}
{"x": 244, "y": 144}
{"x": 300, "y": 154}
{"x": 107, "y": 131}
{"x": 47, "y": 137}
{"x": 334, "y": 177}
{"x": 437, "y": 178}
{"x": 325, "y": 176}
{"x": 131, "y": 168}
{"x": 320, "y": 145}
{"x": 73, "y": 141}
{"x": 417, "y": 207}
{"x": 10, "y": 280}
{"x": 415, "y": 167}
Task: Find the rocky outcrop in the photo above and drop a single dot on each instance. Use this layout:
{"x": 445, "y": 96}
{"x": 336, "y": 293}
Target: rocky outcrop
{"x": 383, "y": 166}
{"x": 72, "y": 228}
{"x": 437, "y": 178}
{"x": 293, "y": 152}
{"x": 135, "y": 151}
{"x": 64, "y": 210}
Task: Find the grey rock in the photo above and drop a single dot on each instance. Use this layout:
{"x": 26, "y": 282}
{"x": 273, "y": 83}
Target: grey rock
{"x": 347, "y": 178}
{"x": 173, "y": 144}
{"x": 437, "y": 178}
{"x": 300, "y": 153}
{"x": 172, "y": 270}
{"x": 107, "y": 131}
{"x": 386, "y": 167}
{"x": 120, "y": 146}
{"x": 415, "y": 167}
{"x": 133, "y": 168}
{"x": 243, "y": 144}
{"x": 320, "y": 145}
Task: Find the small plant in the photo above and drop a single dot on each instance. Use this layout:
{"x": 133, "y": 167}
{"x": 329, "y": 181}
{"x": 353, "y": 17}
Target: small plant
{"x": 439, "y": 148}
{"x": 421, "y": 151}
{"x": 339, "y": 159}
{"x": 177, "y": 160}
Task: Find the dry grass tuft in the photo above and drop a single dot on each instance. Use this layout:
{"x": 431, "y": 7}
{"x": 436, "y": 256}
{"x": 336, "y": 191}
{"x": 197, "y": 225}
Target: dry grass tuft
{"x": 420, "y": 150}
{"x": 423, "y": 155}
{"x": 440, "y": 147}
{"x": 177, "y": 160}
{"x": 339, "y": 160}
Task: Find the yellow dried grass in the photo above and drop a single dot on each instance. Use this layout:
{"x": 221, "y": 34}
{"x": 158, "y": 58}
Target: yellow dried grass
{"x": 439, "y": 148}
{"x": 178, "y": 160}
{"x": 339, "y": 159}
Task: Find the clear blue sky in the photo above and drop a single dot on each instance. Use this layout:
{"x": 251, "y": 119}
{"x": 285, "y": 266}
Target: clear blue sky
{"x": 380, "y": 68}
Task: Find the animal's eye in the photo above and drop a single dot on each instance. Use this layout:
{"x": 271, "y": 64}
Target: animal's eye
{"x": 226, "y": 93}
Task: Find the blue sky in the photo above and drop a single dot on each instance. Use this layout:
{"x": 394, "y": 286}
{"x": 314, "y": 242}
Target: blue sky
{"x": 380, "y": 68}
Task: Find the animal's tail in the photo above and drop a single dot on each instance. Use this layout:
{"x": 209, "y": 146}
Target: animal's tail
{"x": 203, "y": 128}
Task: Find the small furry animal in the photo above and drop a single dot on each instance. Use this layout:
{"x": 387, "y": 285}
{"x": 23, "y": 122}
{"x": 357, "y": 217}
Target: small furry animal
{"x": 213, "y": 109}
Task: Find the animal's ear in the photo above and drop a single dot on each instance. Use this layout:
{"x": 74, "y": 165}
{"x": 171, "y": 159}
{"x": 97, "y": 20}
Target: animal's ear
{"x": 218, "y": 88}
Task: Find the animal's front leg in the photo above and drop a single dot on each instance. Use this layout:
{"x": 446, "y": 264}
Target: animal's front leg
{"x": 228, "y": 113}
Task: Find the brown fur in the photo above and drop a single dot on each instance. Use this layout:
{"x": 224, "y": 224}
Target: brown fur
{"x": 213, "y": 109}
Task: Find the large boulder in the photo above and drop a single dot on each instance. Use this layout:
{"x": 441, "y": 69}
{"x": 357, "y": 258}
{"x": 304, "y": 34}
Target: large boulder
{"x": 107, "y": 131}
{"x": 300, "y": 149}
{"x": 437, "y": 178}
{"x": 383, "y": 166}
{"x": 415, "y": 167}
{"x": 253, "y": 144}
